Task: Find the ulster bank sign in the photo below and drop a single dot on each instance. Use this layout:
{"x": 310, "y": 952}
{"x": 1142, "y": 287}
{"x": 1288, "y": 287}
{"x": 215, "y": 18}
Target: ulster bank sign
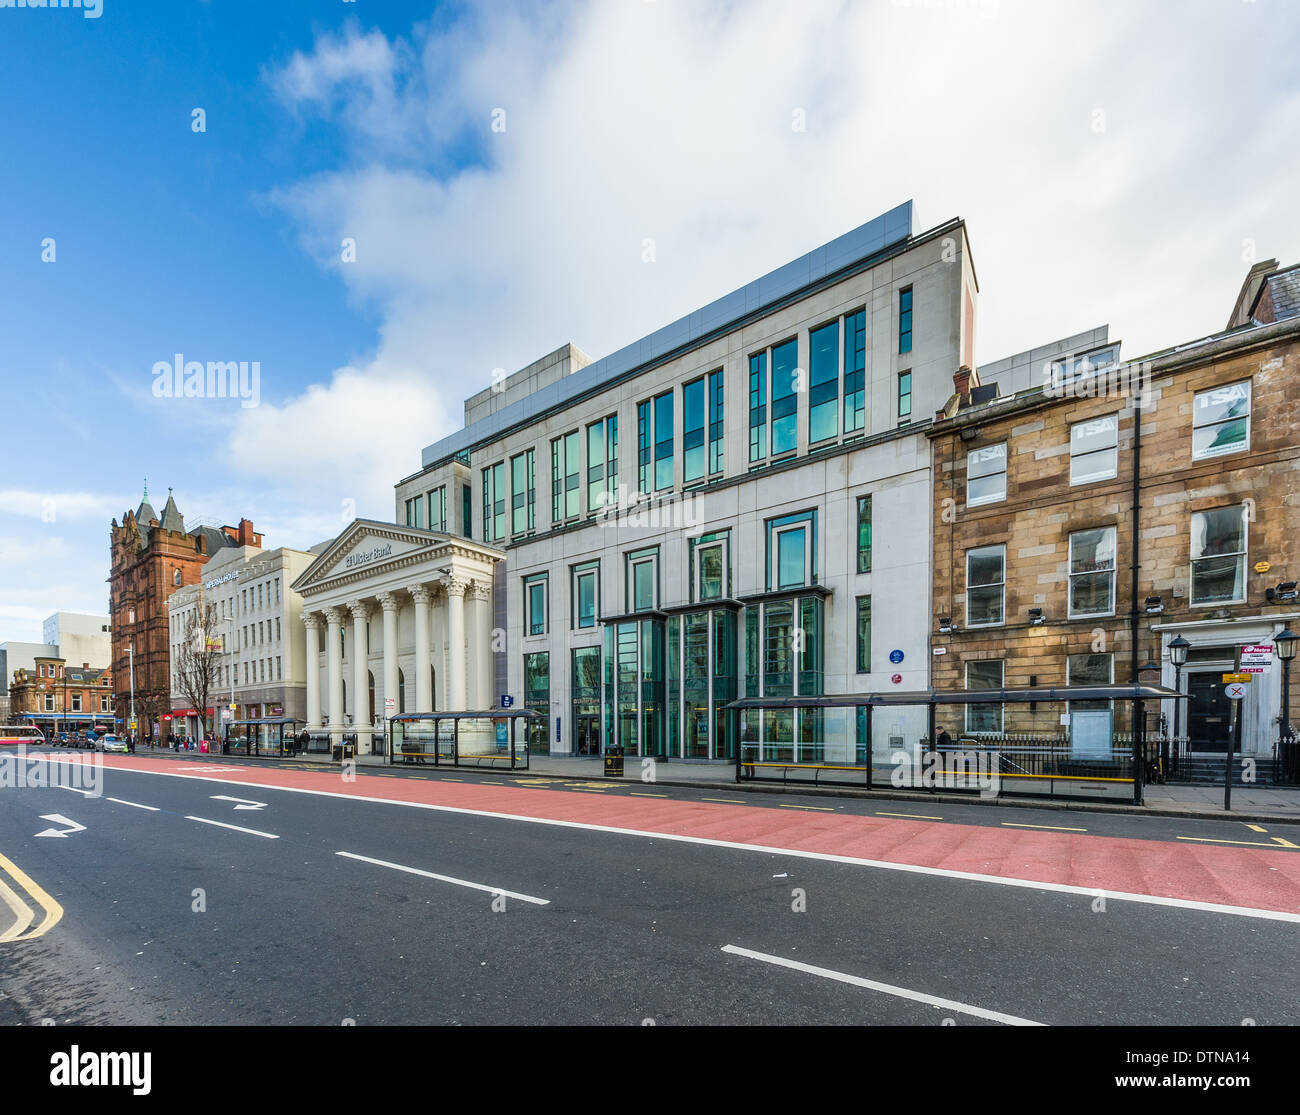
{"x": 364, "y": 557}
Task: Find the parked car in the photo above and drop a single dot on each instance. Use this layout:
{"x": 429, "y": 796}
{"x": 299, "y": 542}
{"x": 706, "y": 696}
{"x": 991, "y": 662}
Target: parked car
{"x": 113, "y": 743}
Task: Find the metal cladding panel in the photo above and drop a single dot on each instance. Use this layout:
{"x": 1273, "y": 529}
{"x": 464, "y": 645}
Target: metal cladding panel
{"x": 860, "y": 243}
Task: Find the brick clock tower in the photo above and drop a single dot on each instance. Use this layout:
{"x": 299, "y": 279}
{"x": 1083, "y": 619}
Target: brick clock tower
{"x": 151, "y": 558}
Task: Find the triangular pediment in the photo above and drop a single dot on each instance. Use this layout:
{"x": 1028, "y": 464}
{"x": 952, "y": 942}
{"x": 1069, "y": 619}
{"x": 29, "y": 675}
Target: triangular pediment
{"x": 365, "y": 545}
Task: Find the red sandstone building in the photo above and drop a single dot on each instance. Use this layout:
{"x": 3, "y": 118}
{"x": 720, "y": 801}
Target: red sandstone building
{"x": 151, "y": 558}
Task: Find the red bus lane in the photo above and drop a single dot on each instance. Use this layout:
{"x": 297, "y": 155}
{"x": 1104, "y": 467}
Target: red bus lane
{"x": 1255, "y": 878}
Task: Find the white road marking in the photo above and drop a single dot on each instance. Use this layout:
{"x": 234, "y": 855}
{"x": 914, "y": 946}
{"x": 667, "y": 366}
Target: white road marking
{"x": 768, "y": 849}
{"x": 244, "y": 803}
{"x": 83, "y": 793}
{"x": 886, "y": 988}
{"x": 447, "y": 879}
{"x": 60, "y": 819}
{"x": 222, "y": 824}
{"x": 136, "y": 804}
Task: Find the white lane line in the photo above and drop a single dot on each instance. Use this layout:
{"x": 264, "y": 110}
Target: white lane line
{"x": 447, "y": 879}
{"x": 886, "y": 988}
{"x": 135, "y": 805}
{"x": 223, "y": 825}
{"x": 83, "y": 793}
{"x": 771, "y": 849}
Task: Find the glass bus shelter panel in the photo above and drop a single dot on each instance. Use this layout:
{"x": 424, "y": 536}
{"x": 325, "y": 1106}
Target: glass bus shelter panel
{"x": 423, "y": 740}
{"x": 900, "y": 738}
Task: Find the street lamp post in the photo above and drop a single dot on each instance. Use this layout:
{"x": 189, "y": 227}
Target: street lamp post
{"x": 130, "y": 657}
{"x": 1178, "y": 648}
{"x": 1285, "y": 642}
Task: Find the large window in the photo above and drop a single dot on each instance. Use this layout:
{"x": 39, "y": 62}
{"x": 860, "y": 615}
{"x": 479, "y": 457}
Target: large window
{"x": 710, "y": 566}
{"x": 985, "y": 586}
{"x": 905, "y": 320}
{"x": 855, "y": 371}
{"x": 785, "y": 397}
{"x": 694, "y": 451}
{"x": 535, "y": 604}
{"x": 602, "y": 464}
{"x": 1219, "y": 555}
{"x": 494, "y": 503}
{"x": 1090, "y": 669}
{"x": 415, "y": 512}
{"x": 643, "y": 580}
{"x": 717, "y": 410}
{"x": 1094, "y": 453}
{"x": 791, "y": 551}
{"x": 823, "y": 382}
{"x": 986, "y": 475}
{"x": 1092, "y": 572}
{"x": 586, "y": 598}
{"x": 1221, "y": 421}
{"x": 864, "y": 634}
{"x": 702, "y": 414}
{"x": 984, "y": 675}
{"x": 565, "y": 477}
{"x": 864, "y": 534}
{"x": 523, "y": 493}
{"x": 758, "y": 406}
{"x": 654, "y": 431}
{"x": 438, "y": 509}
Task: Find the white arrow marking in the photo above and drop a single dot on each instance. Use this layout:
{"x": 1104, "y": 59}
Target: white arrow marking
{"x": 245, "y": 803}
{"x": 59, "y": 819}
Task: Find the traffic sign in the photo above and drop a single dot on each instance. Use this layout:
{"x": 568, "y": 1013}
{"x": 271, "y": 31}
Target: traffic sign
{"x": 897, "y": 679}
{"x": 1242, "y": 677}
{"x": 1234, "y": 690}
{"x": 895, "y": 656}
{"x": 507, "y": 701}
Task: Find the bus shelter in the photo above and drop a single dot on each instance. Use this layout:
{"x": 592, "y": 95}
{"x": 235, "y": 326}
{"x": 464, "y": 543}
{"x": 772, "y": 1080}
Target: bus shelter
{"x": 274, "y": 737}
{"x": 486, "y": 738}
{"x": 1086, "y": 742}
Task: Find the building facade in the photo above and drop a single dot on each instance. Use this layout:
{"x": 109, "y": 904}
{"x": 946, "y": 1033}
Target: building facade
{"x": 738, "y": 504}
{"x": 261, "y": 669}
{"x": 58, "y": 697}
{"x": 396, "y": 620}
{"x": 79, "y": 637}
{"x": 151, "y": 557}
{"x": 1068, "y": 549}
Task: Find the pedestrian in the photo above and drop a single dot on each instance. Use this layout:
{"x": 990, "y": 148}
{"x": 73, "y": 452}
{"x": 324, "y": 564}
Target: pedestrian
{"x": 942, "y": 739}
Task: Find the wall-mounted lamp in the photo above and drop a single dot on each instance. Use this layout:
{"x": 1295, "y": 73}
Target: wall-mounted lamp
{"x": 1286, "y": 590}
{"x": 1155, "y": 605}
{"x": 945, "y": 625}
{"x": 1036, "y": 617}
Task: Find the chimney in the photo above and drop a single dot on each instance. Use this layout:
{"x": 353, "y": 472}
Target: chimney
{"x": 245, "y": 535}
{"x": 961, "y": 380}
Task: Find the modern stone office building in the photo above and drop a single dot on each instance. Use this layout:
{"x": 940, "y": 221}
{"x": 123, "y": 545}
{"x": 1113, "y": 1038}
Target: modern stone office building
{"x": 737, "y": 504}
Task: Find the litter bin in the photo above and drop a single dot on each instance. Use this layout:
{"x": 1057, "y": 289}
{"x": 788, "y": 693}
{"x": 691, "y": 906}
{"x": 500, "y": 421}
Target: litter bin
{"x": 614, "y": 761}
{"x": 341, "y": 751}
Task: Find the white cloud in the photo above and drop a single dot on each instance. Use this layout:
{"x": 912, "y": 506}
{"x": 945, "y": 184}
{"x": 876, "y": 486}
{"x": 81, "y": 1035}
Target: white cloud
{"x": 1110, "y": 161}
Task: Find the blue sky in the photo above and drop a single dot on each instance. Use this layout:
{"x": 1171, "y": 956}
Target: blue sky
{"x": 1117, "y": 163}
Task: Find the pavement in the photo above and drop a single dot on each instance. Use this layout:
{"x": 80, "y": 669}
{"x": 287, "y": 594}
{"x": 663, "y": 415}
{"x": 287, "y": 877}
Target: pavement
{"x": 238, "y": 891}
{"x": 1280, "y": 804}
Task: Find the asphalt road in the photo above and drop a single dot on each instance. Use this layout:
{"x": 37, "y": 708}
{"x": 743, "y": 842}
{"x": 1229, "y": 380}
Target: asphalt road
{"x": 167, "y": 918}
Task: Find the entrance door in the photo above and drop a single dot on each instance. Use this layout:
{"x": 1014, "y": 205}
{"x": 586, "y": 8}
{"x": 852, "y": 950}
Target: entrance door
{"x": 1209, "y": 713}
{"x": 586, "y": 735}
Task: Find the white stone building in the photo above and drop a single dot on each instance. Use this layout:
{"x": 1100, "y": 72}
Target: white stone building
{"x": 738, "y": 505}
{"x": 263, "y": 667}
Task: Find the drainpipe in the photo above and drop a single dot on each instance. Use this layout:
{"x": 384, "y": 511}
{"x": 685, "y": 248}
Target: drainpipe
{"x": 1138, "y": 709}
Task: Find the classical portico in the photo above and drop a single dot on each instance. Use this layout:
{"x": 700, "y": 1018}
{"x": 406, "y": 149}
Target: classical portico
{"x": 390, "y": 603}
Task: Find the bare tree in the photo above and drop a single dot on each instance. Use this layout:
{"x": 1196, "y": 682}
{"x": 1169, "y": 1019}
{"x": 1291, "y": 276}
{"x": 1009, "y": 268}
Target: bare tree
{"x": 197, "y": 660}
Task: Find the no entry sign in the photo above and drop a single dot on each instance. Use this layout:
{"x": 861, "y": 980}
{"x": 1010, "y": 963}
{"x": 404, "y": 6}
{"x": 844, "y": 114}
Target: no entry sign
{"x": 1234, "y": 690}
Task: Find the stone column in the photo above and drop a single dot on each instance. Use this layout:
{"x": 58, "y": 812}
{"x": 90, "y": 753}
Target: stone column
{"x": 360, "y": 676}
{"x": 392, "y": 606}
{"x": 456, "y": 643}
{"x": 438, "y": 644}
{"x": 334, "y": 659}
{"x": 480, "y": 647}
{"x": 421, "y": 596}
{"x": 312, "y": 622}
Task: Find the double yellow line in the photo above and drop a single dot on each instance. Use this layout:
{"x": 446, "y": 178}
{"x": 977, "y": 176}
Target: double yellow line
{"x": 24, "y": 915}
